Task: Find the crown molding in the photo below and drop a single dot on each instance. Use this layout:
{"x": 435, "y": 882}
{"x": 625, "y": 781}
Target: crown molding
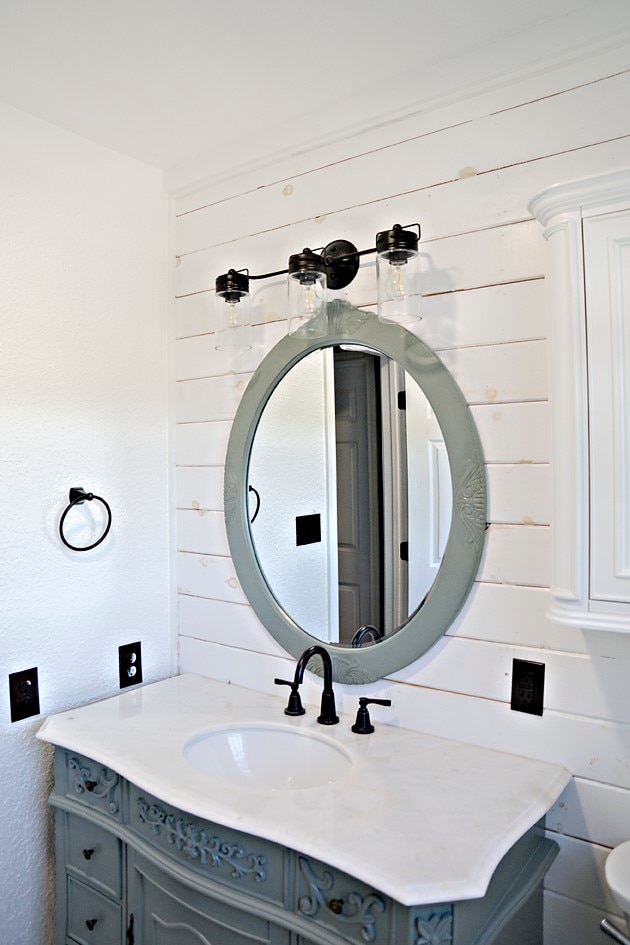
{"x": 580, "y": 195}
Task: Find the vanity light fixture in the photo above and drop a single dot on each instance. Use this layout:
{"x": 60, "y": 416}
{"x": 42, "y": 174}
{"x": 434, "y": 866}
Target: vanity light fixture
{"x": 312, "y": 272}
{"x": 233, "y": 319}
{"x": 397, "y": 273}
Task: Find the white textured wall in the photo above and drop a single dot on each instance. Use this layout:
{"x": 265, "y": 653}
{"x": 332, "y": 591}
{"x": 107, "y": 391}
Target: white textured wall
{"x": 83, "y": 402}
{"x": 467, "y": 174}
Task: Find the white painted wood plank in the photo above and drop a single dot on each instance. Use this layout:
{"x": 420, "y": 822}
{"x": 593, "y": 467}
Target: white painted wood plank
{"x": 209, "y": 576}
{"x": 500, "y": 373}
{"x": 505, "y": 613}
{"x": 516, "y": 554}
{"x": 209, "y": 398}
{"x": 194, "y": 314}
{"x": 202, "y": 444}
{"x": 486, "y": 316}
{"x": 201, "y": 531}
{"x": 490, "y": 102}
{"x": 513, "y": 433}
{"x": 229, "y": 623}
{"x": 575, "y": 684}
{"x": 578, "y": 872}
{"x": 519, "y": 494}
{"x": 197, "y": 356}
{"x": 567, "y": 922}
{"x": 592, "y": 811}
{"x": 496, "y": 141}
{"x": 199, "y": 487}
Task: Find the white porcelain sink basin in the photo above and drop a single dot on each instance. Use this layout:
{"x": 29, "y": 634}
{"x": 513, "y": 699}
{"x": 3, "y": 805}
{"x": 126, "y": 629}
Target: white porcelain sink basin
{"x": 268, "y": 758}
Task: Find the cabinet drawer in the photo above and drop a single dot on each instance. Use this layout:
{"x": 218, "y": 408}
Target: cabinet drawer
{"x": 344, "y": 905}
{"x": 92, "y": 919}
{"x": 92, "y": 854}
{"x": 248, "y": 864}
{"x": 88, "y": 782}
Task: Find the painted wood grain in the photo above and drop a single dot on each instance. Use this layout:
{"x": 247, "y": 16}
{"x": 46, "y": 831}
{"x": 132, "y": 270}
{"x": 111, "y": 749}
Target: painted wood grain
{"x": 513, "y": 433}
{"x": 552, "y": 126}
{"x": 201, "y": 531}
{"x": 589, "y": 810}
{"x": 516, "y": 554}
{"x": 568, "y": 921}
{"x": 500, "y": 373}
{"x": 209, "y": 398}
{"x": 519, "y": 494}
{"x": 202, "y": 444}
{"x": 578, "y": 872}
{"x": 216, "y": 621}
{"x": 199, "y": 487}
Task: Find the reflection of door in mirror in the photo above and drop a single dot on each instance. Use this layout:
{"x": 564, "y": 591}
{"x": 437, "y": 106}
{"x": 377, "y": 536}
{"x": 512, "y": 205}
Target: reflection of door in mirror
{"x": 355, "y": 493}
{"x": 358, "y": 442}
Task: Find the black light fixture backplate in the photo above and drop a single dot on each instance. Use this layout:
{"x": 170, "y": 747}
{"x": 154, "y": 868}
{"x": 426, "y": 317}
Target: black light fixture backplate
{"x": 341, "y": 261}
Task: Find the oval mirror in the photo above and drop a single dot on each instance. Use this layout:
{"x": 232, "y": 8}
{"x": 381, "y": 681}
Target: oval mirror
{"x": 355, "y": 495}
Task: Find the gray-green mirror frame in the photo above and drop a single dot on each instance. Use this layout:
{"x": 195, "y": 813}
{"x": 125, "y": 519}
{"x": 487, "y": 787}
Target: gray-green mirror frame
{"x": 349, "y": 325}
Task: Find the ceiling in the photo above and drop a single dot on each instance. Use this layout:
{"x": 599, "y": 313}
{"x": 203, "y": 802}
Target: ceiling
{"x": 167, "y": 82}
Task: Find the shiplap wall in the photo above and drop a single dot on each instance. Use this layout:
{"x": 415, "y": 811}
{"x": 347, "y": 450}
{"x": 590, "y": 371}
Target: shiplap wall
{"x": 484, "y": 312}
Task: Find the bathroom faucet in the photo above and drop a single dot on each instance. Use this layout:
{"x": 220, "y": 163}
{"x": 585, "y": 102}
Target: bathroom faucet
{"x": 328, "y": 713}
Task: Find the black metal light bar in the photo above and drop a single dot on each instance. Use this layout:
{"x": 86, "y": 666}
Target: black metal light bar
{"x": 340, "y": 258}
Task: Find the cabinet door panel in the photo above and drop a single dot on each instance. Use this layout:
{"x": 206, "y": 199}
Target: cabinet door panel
{"x": 167, "y": 912}
{"x": 607, "y": 272}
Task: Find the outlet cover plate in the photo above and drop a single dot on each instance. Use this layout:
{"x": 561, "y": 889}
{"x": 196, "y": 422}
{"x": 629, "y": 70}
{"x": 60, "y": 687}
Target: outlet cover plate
{"x": 130, "y": 664}
{"x": 24, "y": 694}
{"x": 528, "y": 686}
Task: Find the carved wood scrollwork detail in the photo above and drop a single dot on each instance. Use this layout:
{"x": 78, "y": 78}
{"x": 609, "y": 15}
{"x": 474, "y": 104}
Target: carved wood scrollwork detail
{"x": 195, "y": 843}
{"x": 436, "y": 929}
{"x": 101, "y": 785}
{"x": 470, "y": 501}
{"x": 353, "y": 909}
{"x": 344, "y": 319}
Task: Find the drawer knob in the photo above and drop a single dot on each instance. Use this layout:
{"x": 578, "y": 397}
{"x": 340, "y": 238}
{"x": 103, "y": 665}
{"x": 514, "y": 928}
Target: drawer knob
{"x": 88, "y": 854}
{"x": 90, "y": 785}
{"x": 336, "y": 906}
{"x": 90, "y": 923}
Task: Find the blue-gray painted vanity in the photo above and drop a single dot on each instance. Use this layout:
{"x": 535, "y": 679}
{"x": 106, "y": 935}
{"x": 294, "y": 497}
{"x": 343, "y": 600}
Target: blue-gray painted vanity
{"x": 136, "y": 868}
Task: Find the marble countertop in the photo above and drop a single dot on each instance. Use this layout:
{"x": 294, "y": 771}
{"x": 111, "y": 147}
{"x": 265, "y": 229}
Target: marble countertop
{"x": 421, "y": 818}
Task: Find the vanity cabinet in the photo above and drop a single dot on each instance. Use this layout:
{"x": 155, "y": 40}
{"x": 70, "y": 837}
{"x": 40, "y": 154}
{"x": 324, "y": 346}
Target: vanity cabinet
{"x": 134, "y": 870}
{"x": 587, "y": 229}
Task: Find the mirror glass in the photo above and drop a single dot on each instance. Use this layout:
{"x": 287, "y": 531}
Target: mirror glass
{"x": 292, "y": 472}
{"x": 349, "y": 484}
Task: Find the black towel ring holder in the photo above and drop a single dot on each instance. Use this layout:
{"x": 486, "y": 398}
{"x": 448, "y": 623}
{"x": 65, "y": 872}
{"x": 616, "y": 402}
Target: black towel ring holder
{"x": 77, "y": 497}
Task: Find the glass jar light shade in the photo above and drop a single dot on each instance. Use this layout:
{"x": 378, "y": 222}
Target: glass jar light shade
{"x": 397, "y": 275}
{"x": 232, "y": 312}
{"x": 307, "y": 295}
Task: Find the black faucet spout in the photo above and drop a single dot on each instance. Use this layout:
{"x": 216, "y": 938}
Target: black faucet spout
{"x": 328, "y": 714}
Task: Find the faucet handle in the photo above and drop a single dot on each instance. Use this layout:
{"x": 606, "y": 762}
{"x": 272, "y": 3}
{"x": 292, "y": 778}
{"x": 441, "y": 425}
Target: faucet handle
{"x": 294, "y": 706}
{"x": 362, "y": 725}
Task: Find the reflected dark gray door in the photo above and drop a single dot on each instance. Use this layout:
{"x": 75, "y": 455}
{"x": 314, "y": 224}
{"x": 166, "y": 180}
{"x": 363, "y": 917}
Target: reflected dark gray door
{"x": 359, "y": 501}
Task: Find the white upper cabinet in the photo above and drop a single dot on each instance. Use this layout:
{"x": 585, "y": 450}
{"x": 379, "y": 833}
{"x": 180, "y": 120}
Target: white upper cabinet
{"x": 587, "y": 229}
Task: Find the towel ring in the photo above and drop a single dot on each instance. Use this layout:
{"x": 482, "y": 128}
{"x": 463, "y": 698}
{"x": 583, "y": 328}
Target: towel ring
{"x": 77, "y": 497}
